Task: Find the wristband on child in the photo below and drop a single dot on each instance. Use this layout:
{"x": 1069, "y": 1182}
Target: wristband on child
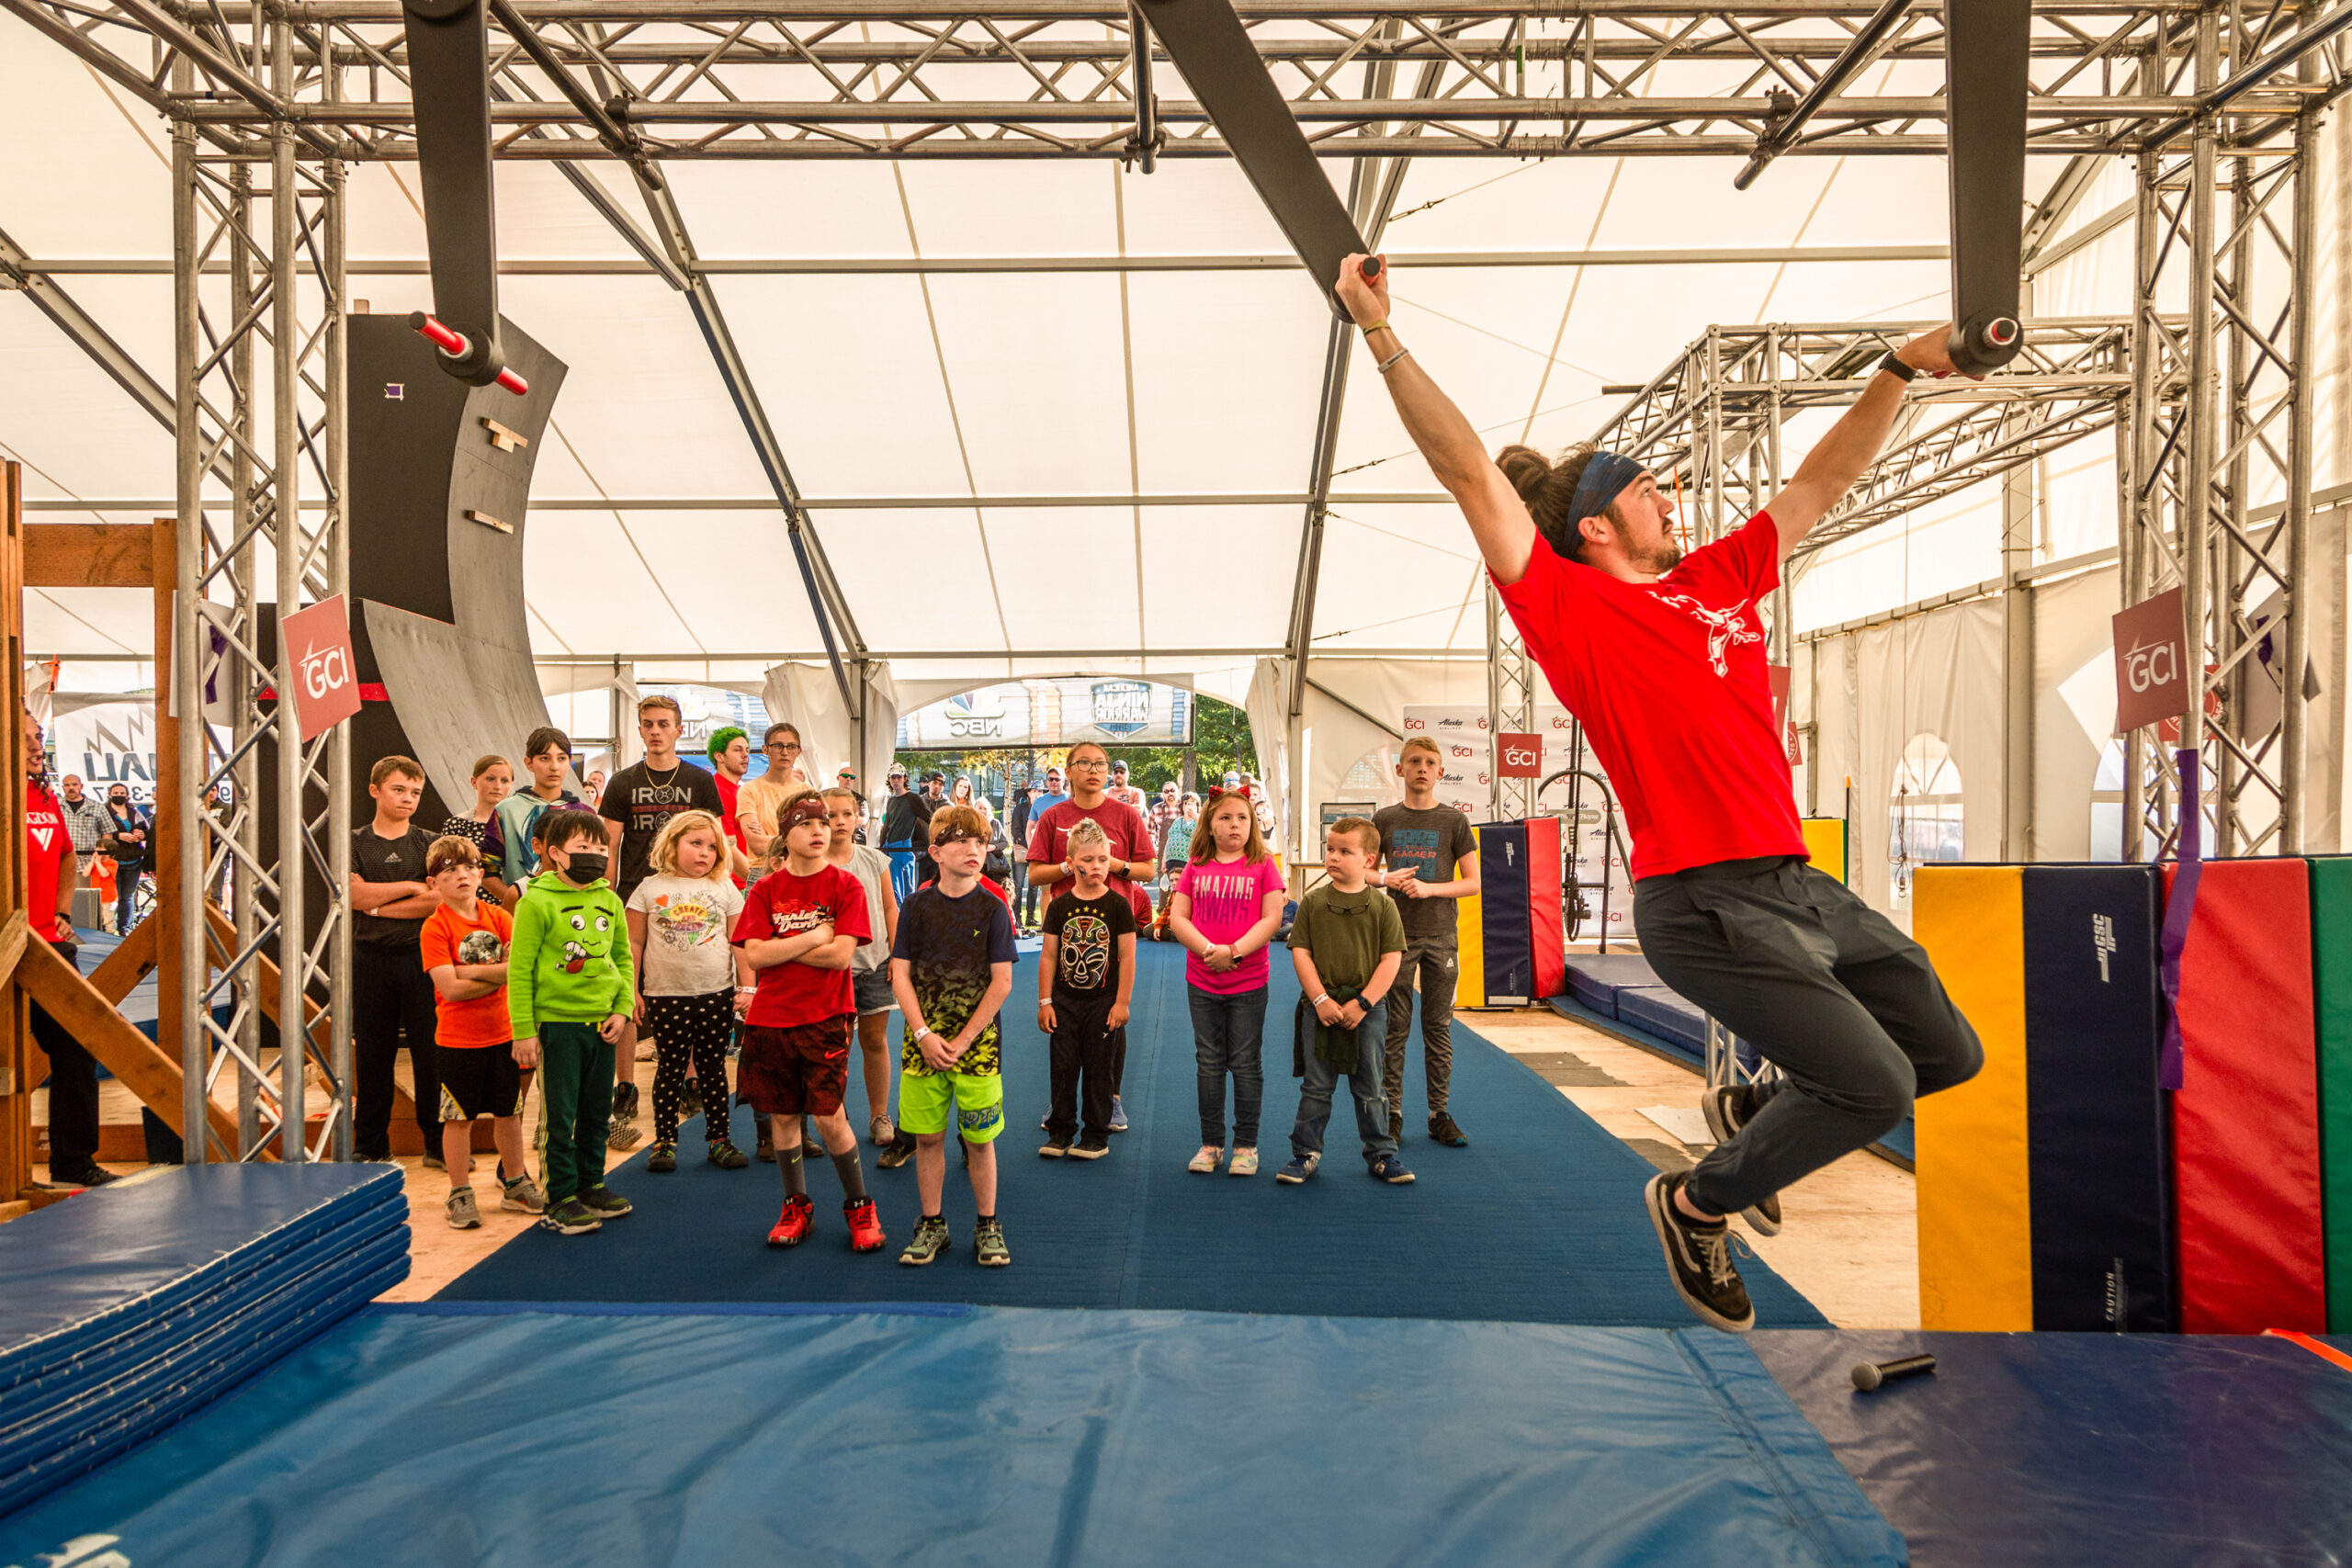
{"x": 1320, "y": 1000}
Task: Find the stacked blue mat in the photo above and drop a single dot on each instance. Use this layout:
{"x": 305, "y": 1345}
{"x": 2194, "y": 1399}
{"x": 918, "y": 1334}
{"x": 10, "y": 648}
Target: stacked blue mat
{"x": 131, "y": 1306}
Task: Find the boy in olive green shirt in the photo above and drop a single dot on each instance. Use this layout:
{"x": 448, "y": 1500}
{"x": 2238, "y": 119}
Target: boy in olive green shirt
{"x": 1347, "y": 944}
{"x": 569, "y": 988}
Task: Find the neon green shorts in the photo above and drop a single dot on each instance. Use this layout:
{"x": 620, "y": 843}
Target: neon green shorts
{"x": 979, "y": 1100}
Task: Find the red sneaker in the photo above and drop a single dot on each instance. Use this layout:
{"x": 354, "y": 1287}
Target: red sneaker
{"x": 792, "y": 1225}
{"x": 865, "y": 1225}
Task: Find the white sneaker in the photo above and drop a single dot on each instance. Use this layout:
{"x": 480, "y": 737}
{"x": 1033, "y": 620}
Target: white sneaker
{"x": 1245, "y": 1163}
{"x": 883, "y": 1131}
{"x": 1204, "y": 1163}
{"x": 645, "y": 1050}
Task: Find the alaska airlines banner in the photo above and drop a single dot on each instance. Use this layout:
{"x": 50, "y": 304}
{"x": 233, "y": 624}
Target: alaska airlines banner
{"x": 1110, "y": 710}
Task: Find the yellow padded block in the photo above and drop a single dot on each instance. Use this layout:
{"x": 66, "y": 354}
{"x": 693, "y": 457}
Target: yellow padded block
{"x": 1825, "y": 844}
{"x": 1975, "y": 1206}
{"x": 1470, "y": 956}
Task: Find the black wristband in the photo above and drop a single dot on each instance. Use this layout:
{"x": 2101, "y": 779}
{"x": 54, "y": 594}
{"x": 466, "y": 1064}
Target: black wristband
{"x": 1896, "y": 367}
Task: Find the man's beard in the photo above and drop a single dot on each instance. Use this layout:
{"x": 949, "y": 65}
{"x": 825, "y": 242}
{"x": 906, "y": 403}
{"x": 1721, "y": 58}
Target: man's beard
{"x": 1664, "y": 559}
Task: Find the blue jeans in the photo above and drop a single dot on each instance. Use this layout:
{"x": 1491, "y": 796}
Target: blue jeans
{"x": 1228, "y": 1035}
{"x": 1315, "y": 1092}
{"x": 902, "y": 871}
{"x": 126, "y": 894}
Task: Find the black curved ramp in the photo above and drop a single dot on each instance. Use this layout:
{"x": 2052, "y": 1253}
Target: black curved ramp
{"x": 440, "y": 479}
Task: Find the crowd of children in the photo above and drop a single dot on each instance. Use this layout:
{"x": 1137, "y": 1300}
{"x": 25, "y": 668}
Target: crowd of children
{"x": 509, "y": 950}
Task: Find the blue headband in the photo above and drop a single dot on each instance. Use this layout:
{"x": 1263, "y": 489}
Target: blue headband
{"x": 1603, "y": 477}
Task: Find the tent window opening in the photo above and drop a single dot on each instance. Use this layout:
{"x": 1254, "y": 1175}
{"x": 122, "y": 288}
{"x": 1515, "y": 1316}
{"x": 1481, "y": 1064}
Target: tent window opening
{"x": 1929, "y": 823}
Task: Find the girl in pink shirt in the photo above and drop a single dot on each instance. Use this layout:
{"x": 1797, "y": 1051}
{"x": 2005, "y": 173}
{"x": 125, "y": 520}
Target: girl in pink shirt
{"x": 1227, "y": 908}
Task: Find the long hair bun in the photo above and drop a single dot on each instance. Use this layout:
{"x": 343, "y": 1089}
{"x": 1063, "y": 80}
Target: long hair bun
{"x": 1549, "y": 489}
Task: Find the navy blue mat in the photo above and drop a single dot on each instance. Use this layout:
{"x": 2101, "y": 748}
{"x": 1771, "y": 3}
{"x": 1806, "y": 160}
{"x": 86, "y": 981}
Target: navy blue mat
{"x": 2073, "y": 1450}
{"x": 1539, "y": 1219}
{"x": 981, "y": 1437}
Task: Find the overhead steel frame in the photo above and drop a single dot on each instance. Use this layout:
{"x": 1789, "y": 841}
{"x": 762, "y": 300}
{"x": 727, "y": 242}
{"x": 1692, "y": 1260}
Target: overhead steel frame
{"x": 230, "y": 669}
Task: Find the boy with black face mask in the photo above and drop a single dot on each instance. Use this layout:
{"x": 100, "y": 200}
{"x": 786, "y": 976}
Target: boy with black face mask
{"x": 569, "y": 987}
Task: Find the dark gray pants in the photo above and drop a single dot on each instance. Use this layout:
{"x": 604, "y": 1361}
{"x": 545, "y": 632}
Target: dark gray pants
{"x": 1845, "y": 1005}
{"x": 1428, "y": 969}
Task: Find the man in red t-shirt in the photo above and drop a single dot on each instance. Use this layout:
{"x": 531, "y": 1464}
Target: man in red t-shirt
{"x": 1662, "y": 657}
{"x": 51, "y": 876}
{"x": 1131, "y": 861}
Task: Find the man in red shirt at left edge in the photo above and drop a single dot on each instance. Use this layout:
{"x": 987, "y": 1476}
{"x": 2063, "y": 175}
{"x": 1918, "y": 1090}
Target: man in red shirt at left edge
{"x": 50, "y": 877}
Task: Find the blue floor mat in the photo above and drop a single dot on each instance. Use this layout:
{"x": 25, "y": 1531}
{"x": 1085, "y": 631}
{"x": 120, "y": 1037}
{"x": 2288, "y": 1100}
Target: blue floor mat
{"x": 2081, "y": 1450}
{"x": 1539, "y": 1219}
{"x": 437, "y": 1435}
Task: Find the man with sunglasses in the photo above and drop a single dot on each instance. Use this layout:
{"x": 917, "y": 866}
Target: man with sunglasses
{"x": 846, "y": 778}
{"x": 1131, "y": 860}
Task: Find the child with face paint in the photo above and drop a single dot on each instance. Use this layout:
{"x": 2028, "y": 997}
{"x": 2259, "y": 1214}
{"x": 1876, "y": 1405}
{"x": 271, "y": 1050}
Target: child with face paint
{"x": 569, "y": 987}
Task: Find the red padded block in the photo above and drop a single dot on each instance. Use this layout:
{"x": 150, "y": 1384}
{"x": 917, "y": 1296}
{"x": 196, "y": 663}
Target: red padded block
{"x": 1546, "y": 938}
{"x": 2246, "y": 1122}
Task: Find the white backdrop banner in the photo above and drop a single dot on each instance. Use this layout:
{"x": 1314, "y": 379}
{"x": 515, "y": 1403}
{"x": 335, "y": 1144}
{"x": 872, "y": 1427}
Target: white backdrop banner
{"x": 108, "y": 741}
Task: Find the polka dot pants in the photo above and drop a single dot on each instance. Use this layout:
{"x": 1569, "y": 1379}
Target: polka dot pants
{"x": 690, "y": 1029}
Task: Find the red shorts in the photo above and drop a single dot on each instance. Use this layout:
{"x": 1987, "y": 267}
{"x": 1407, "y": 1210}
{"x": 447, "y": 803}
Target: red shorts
{"x": 795, "y": 1071}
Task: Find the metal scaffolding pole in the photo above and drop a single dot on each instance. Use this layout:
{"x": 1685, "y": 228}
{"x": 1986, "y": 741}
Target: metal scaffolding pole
{"x": 267, "y": 958}
{"x": 2197, "y": 490}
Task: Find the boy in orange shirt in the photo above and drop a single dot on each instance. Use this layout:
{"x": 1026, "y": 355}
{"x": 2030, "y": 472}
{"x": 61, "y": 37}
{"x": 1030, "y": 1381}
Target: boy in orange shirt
{"x": 464, "y": 946}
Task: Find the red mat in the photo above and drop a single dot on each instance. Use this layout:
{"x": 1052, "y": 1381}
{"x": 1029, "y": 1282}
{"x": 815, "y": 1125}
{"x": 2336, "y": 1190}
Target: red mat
{"x": 2246, "y": 1122}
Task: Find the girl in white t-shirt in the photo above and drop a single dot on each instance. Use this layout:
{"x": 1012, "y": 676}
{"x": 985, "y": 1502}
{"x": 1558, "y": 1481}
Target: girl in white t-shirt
{"x": 687, "y": 971}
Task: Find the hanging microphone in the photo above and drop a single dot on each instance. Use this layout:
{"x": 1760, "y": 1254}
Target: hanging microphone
{"x": 1868, "y": 1375}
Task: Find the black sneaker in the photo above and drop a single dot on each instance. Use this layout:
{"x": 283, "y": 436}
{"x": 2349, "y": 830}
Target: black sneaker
{"x": 606, "y": 1203}
{"x": 1089, "y": 1148}
{"x": 91, "y": 1175}
{"x": 1727, "y": 1108}
{"x": 664, "y": 1159}
{"x": 1697, "y": 1258}
{"x": 1442, "y": 1129}
{"x": 624, "y": 1101}
{"x": 901, "y": 1149}
{"x": 571, "y": 1217}
{"x": 1057, "y": 1145}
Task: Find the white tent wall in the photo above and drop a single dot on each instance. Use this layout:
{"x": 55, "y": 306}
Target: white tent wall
{"x": 2073, "y": 706}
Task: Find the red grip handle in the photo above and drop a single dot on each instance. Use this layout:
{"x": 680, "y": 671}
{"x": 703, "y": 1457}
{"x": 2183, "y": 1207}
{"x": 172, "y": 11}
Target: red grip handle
{"x": 454, "y": 346}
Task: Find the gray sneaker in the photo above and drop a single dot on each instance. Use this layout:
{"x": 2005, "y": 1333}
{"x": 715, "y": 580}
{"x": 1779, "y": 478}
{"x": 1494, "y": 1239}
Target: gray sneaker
{"x": 987, "y": 1246}
{"x": 463, "y": 1213}
{"x": 523, "y": 1197}
{"x": 882, "y": 1131}
{"x": 928, "y": 1241}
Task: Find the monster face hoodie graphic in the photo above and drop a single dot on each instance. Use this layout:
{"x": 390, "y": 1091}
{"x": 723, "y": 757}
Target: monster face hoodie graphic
{"x": 569, "y": 961}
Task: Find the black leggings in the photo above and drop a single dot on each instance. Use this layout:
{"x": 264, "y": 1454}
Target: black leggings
{"x": 690, "y": 1029}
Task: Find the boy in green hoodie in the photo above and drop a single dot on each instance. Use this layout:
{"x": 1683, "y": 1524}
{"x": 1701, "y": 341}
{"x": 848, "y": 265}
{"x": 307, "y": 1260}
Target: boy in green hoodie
{"x": 569, "y": 989}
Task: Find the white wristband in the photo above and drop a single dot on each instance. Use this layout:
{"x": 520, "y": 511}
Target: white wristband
{"x": 1320, "y": 1000}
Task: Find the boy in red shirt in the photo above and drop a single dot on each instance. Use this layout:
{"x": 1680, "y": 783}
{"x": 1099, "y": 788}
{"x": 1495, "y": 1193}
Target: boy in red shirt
{"x": 801, "y": 923}
{"x": 463, "y": 944}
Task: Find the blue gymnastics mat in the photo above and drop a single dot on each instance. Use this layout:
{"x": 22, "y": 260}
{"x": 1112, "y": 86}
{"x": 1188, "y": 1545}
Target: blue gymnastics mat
{"x": 437, "y": 1435}
{"x": 1539, "y": 1219}
{"x": 2080, "y": 1450}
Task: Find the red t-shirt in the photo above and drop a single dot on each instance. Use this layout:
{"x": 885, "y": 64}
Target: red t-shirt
{"x": 1130, "y": 838}
{"x": 727, "y": 823}
{"x": 781, "y": 903}
{"x": 1668, "y": 679}
{"x": 47, "y": 844}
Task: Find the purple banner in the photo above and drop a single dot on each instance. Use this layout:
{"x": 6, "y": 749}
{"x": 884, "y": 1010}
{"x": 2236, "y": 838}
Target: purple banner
{"x": 2180, "y": 907}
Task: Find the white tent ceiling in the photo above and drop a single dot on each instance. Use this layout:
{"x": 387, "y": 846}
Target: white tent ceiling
{"x": 926, "y": 393}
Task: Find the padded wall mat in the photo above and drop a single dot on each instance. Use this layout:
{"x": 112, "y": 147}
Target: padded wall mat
{"x": 2246, "y": 1122}
{"x": 1971, "y": 1142}
{"x": 430, "y": 1435}
{"x": 2098, "y": 1129}
{"x": 2066, "y": 1451}
{"x": 2332, "y": 1008}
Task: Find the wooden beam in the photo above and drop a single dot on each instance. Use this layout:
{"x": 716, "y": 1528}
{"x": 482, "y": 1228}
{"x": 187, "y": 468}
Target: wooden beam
{"x": 137, "y": 1062}
{"x": 88, "y": 554}
{"x": 131, "y": 961}
{"x": 15, "y": 1025}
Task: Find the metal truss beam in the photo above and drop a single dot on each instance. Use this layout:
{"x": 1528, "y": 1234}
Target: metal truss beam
{"x": 926, "y": 78}
{"x": 824, "y": 266}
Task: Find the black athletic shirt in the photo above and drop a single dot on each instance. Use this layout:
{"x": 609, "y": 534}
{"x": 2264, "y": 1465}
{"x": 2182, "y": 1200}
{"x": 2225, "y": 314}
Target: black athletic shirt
{"x": 375, "y": 858}
{"x": 642, "y": 800}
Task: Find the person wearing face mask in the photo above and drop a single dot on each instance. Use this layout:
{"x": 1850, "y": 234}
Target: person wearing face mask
{"x": 390, "y": 992}
{"x": 125, "y": 839}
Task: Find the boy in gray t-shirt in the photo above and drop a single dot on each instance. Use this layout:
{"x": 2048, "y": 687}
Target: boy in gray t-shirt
{"x": 1430, "y": 859}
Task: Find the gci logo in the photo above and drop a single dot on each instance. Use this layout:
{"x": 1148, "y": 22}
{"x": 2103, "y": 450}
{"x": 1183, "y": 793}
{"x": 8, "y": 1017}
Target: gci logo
{"x": 325, "y": 670}
{"x": 2148, "y": 666}
{"x": 1521, "y": 756}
